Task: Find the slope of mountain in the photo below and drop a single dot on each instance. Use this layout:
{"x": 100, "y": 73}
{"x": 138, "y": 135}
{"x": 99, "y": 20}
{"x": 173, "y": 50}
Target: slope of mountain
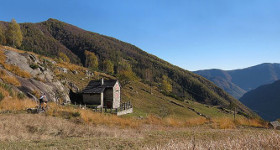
{"x": 35, "y": 74}
{"x": 238, "y": 82}
{"x": 53, "y": 36}
{"x": 265, "y": 100}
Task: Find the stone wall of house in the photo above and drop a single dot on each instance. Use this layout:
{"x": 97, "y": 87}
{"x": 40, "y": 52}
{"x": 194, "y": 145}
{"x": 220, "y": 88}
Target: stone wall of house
{"x": 93, "y": 99}
{"x": 116, "y": 95}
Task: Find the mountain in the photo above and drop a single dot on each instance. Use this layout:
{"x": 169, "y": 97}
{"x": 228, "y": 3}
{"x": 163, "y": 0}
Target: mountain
{"x": 24, "y": 75}
{"x": 238, "y": 82}
{"x": 53, "y": 36}
{"x": 265, "y": 100}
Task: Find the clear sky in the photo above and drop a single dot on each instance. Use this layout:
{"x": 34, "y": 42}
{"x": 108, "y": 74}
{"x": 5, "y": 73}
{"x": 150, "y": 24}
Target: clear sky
{"x": 192, "y": 34}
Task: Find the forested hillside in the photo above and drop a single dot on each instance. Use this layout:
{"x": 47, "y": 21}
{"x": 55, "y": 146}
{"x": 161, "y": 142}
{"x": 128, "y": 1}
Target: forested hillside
{"x": 54, "y": 38}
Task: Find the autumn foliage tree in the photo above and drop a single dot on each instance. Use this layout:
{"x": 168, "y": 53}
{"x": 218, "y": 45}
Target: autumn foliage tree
{"x": 108, "y": 66}
{"x": 166, "y": 85}
{"x": 63, "y": 57}
{"x": 14, "y": 36}
{"x": 125, "y": 73}
{"x": 2, "y": 35}
{"x": 91, "y": 60}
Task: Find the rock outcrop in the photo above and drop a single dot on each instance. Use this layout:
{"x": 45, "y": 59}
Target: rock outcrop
{"x": 42, "y": 79}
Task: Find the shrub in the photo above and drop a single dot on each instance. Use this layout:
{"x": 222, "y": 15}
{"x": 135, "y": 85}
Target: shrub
{"x": 6, "y": 89}
{"x": 63, "y": 57}
{"x": 21, "y": 95}
{"x": 34, "y": 66}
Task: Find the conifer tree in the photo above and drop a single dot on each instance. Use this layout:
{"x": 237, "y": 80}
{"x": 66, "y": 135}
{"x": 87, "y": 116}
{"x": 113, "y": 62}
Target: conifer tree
{"x": 14, "y": 35}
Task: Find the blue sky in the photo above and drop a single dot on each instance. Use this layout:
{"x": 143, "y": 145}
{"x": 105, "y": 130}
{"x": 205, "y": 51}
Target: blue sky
{"x": 192, "y": 34}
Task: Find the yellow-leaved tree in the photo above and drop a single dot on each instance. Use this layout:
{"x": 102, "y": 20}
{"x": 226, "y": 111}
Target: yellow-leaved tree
{"x": 91, "y": 60}
{"x": 166, "y": 84}
{"x": 14, "y": 36}
{"x": 2, "y": 35}
{"x": 108, "y": 66}
{"x": 125, "y": 73}
{"x": 63, "y": 57}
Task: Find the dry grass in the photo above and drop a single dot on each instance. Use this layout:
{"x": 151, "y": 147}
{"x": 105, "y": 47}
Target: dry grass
{"x": 36, "y": 93}
{"x": 4, "y": 92}
{"x": 15, "y": 127}
{"x": 71, "y": 67}
{"x": 229, "y": 139}
{"x": 230, "y": 123}
{"x": 251, "y": 122}
{"x": 16, "y": 70}
{"x": 89, "y": 117}
{"x": 15, "y": 104}
{"x": 9, "y": 79}
{"x": 39, "y": 131}
{"x": 223, "y": 123}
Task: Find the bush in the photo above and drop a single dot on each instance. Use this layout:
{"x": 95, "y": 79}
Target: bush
{"x": 20, "y": 95}
{"x": 34, "y": 66}
{"x": 7, "y": 88}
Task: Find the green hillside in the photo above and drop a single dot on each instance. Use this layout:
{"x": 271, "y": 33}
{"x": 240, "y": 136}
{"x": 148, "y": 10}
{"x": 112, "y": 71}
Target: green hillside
{"x": 52, "y": 36}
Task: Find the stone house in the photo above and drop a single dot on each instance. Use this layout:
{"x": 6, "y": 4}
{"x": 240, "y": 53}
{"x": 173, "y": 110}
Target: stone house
{"x": 102, "y": 93}
{"x": 274, "y": 125}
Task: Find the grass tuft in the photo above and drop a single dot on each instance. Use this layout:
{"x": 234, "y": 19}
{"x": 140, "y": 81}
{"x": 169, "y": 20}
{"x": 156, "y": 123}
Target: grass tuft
{"x": 15, "y": 104}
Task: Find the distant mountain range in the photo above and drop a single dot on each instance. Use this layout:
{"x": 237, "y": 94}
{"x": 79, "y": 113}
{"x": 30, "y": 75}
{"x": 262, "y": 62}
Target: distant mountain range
{"x": 238, "y": 82}
{"x": 265, "y": 100}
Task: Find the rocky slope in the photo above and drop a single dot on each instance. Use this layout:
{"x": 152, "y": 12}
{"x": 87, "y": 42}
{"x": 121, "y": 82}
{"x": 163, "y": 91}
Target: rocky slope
{"x": 41, "y": 77}
{"x": 238, "y": 82}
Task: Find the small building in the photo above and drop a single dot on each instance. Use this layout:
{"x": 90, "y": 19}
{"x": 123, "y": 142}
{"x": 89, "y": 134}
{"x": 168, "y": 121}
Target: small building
{"x": 274, "y": 125}
{"x": 102, "y": 93}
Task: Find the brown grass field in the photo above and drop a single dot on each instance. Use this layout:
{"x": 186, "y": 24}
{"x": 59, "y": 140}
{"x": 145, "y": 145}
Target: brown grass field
{"x": 69, "y": 127}
{"x": 29, "y": 131}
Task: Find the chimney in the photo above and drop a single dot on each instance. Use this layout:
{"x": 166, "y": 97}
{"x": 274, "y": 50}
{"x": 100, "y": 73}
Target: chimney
{"x": 102, "y": 81}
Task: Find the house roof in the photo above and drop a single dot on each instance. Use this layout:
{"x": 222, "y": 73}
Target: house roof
{"x": 275, "y": 123}
{"x": 94, "y": 86}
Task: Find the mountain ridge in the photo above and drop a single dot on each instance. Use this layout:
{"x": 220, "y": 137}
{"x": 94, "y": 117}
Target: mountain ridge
{"x": 264, "y": 100}
{"x": 243, "y": 80}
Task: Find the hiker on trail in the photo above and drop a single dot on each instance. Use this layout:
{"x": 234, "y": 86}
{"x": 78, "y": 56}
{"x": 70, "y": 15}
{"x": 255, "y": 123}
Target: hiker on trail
{"x": 43, "y": 101}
